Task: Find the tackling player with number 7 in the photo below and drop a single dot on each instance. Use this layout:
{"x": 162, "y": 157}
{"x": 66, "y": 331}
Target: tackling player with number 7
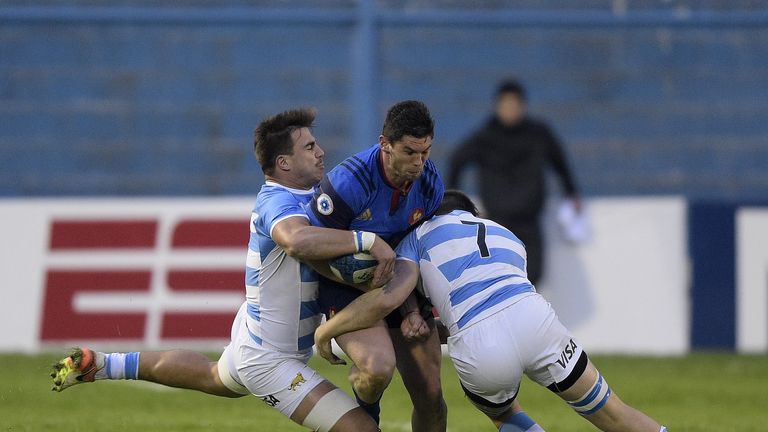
{"x": 474, "y": 272}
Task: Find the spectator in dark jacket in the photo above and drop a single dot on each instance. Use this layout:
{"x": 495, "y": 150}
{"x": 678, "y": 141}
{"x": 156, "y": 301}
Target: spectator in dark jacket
{"x": 512, "y": 152}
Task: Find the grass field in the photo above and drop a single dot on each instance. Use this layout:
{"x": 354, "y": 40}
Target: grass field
{"x": 701, "y": 392}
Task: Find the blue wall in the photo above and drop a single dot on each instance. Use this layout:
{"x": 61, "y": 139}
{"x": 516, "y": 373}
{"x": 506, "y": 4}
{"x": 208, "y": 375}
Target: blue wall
{"x": 663, "y": 98}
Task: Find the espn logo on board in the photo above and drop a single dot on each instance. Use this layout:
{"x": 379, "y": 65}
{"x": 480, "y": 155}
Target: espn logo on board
{"x": 144, "y": 280}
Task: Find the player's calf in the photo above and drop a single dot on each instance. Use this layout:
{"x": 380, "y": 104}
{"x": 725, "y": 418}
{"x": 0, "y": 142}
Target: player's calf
{"x": 190, "y": 370}
{"x": 176, "y": 368}
{"x": 419, "y": 364}
{"x": 591, "y": 397}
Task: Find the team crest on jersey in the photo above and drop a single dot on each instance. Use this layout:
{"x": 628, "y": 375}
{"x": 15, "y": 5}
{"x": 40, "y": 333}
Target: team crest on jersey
{"x": 324, "y": 204}
{"x": 416, "y": 216}
{"x": 299, "y": 380}
{"x": 365, "y": 216}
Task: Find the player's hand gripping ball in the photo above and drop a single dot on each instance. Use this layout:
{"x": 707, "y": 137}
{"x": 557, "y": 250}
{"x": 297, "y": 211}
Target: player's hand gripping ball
{"x": 355, "y": 268}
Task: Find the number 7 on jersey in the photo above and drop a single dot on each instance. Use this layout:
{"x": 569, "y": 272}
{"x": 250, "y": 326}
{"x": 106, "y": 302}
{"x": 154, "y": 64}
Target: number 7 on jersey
{"x": 484, "y": 252}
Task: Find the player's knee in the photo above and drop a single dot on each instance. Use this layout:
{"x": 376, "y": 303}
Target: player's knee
{"x": 374, "y": 378}
{"x": 376, "y": 371}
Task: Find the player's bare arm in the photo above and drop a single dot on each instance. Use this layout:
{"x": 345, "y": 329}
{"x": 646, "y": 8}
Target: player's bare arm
{"x": 368, "y": 309}
{"x": 413, "y": 326}
{"x": 305, "y": 242}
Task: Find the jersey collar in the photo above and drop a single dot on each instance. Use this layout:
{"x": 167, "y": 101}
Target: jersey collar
{"x": 290, "y": 189}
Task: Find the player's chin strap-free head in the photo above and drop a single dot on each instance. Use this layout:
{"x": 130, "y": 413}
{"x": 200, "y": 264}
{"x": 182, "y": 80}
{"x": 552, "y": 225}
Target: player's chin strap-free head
{"x": 594, "y": 399}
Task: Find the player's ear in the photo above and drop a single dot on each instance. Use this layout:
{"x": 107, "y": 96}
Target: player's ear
{"x": 282, "y": 163}
{"x": 384, "y": 144}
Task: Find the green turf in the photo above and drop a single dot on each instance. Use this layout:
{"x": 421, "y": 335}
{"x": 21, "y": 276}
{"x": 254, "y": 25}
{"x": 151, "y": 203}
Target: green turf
{"x": 701, "y": 392}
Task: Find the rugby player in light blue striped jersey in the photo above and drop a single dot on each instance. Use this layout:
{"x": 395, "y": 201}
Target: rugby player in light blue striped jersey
{"x": 473, "y": 270}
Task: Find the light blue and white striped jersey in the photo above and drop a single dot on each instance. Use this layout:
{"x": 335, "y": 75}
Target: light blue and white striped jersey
{"x": 281, "y": 291}
{"x": 470, "y": 267}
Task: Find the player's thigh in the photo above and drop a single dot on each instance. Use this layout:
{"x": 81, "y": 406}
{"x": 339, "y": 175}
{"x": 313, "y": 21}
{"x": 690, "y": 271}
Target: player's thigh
{"x": 286, "y": 383}
{"x": 419, "y": 365}
{"x": 550, "y": 354}
{"x": 557, "y": 361}
{"x": 281, "y": 380}
{"x": 225, "y": 376}
{"x": 326, "y": 408}
{"x": 370, "y": 349}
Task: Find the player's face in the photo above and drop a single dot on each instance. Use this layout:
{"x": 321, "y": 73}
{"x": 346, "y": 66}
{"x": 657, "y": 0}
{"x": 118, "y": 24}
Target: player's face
{"x": 510, "y": 109}
{"x": 406, "y": 157}
{"x": 307, "y": 159}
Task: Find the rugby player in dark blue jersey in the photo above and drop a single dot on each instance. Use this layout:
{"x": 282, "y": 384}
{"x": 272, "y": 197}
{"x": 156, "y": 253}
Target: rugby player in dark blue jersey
{"x": 387, "y": 189}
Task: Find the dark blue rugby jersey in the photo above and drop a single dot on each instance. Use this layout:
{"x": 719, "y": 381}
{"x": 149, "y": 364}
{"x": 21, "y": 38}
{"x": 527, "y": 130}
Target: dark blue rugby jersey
{"x": 357, "y": 195}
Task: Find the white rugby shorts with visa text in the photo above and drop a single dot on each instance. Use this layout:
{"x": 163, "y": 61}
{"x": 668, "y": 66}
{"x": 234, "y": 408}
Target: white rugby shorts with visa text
{"x": 526, "y": 337}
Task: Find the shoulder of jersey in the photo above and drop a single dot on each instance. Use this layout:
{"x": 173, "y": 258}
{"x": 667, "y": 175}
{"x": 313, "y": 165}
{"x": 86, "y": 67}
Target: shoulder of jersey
{"x": 360, "y": 170}
{"x": 272, "y": 190}
{"x": 278, "y": 194}
{"x": 265, "y": 191}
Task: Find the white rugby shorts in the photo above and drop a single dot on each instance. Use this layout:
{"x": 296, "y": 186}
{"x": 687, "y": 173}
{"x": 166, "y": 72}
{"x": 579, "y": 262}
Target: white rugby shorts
{"x": 526, "y": 337}
{"x": 281, "y": 380}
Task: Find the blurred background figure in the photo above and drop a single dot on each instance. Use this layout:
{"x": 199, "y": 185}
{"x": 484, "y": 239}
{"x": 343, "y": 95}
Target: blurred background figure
{"x": 513, "y": 151}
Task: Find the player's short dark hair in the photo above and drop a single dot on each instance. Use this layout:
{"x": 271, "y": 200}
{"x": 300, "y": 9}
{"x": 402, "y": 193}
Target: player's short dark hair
{"x": 456, "y": 200}
{"x": 408, "y": 118}
{"x": 511, "y": 86}
{"x": 272, "y": 136}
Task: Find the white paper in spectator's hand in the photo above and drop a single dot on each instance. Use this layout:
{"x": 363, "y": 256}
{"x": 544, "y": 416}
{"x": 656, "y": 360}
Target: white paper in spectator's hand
{"x": 574, "y": 225}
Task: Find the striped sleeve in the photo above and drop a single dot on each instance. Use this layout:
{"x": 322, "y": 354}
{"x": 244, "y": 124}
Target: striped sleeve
{"x": 278, "y": 207}
{"x": 407, "y": 249}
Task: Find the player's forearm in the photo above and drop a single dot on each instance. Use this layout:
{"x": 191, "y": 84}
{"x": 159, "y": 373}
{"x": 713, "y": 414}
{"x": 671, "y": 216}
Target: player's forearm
{"x": 362, "y": 313}
{"x": 369, "y": 308}
{"x": 315, "y": 243}
{"x": 411, "y": 304}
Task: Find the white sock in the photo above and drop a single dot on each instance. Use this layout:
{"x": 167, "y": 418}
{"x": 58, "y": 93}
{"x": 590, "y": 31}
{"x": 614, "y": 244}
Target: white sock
{"x": 120, "y": 366}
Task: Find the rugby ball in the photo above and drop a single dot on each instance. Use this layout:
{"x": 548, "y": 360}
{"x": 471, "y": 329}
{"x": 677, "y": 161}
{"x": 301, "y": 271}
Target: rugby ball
{"x": 355, "y": 268}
